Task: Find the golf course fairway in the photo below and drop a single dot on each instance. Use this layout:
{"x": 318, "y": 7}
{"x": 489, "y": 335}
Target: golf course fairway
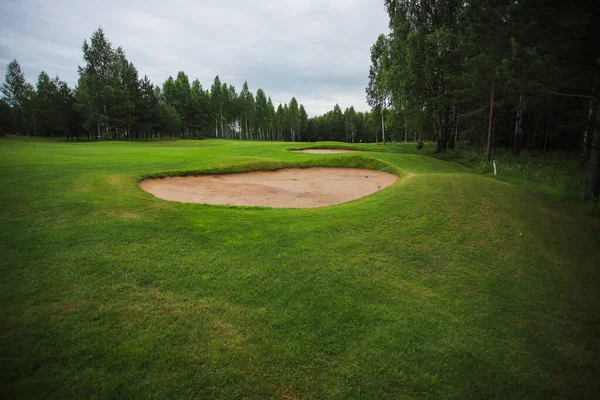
{"x": 449, "y": 284}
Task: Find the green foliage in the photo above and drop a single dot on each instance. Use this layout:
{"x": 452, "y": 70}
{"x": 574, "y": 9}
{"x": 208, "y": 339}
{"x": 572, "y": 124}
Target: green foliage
{"x": 559, "y": 175}
{"x": 19, "y": 95}
{"x": 6, "y": 118}
{"x": 449, "y": 65}
{"x": 112, "y": 102}
{"x": 55, "y": 107}
{"x": 15, "y": 89}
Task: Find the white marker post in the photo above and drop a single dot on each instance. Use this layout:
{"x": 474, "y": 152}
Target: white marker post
{"x": 495, "y": 173}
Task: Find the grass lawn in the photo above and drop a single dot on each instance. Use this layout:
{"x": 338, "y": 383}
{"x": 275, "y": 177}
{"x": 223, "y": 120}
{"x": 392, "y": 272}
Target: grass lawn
{"x": 423, "y": 290}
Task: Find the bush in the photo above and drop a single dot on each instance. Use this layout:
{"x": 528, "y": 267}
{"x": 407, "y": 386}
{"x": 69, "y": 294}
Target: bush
{"x": 558, "y": 175}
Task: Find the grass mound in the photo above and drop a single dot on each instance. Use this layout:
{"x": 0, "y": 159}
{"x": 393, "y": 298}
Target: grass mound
{"x": 272, "y": 165}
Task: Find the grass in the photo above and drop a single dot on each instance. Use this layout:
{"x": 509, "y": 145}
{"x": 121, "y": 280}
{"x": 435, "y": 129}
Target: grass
{"x": 559, "y": 175}
{"x": 423, "y": 290}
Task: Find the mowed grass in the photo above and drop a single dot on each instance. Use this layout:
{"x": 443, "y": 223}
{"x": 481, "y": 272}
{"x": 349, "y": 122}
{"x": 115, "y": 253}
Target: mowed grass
{"x": 423, "y": 290}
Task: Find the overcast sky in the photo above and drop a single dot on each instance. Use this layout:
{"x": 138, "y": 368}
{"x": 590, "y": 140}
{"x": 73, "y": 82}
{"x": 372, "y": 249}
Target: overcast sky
{"x": 316, "y": 50}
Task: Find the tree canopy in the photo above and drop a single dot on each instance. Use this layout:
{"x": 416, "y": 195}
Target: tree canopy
{"x": 113, "y": 101}
{"x": 492, "y": 73}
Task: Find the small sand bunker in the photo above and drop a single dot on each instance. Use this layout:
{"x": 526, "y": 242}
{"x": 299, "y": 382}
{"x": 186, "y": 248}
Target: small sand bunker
{"x": 285, "y": 188}
{"x": 326, "y": 151}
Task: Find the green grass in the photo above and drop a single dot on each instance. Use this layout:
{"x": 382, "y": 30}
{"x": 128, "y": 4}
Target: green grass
{"x": 423, "y": 290}
{"x": 559, "y": 175}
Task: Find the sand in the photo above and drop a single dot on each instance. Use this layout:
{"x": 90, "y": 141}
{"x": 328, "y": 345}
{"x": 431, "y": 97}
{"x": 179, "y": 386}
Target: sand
{"x": 326, "y": 151}
{"x": 285, "y": 188}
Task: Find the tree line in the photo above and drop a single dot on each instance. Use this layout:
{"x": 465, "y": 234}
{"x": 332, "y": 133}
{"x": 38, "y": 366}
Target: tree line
{"x": 111, "y": 101}
{"x": 489, "y": 74}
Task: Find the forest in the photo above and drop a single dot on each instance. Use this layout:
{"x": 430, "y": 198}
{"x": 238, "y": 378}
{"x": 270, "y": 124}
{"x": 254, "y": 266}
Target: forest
{"x": 490, "y": 74}
{"x": 112, "y": 102}
{"x": 481, "y": 75}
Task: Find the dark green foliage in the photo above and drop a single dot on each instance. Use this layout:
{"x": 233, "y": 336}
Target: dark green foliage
{"x": 19, "y": 95}
{"x": 55, "y": 107}
{"x": 442, "y": 58}
{"x": 113, "y": 102}
{"x": 6, "y": 118}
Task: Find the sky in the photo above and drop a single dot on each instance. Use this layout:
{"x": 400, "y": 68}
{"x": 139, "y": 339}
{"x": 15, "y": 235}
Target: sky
{"x": 315, "y": 50}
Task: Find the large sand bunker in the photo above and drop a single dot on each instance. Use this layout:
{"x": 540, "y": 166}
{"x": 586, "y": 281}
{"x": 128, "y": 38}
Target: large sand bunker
{"x": 286, "y": 188}
{"x": 326, "y": 151}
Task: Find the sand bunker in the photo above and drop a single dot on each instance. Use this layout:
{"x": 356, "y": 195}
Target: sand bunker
{"x": 286, "y": 188}
{"x": 326, "y": 151}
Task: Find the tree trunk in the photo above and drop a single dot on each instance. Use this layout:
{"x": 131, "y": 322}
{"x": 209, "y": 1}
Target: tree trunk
{"x": 23, "y": 120}
{"x": 586, "y": 134}
{"x": 592, "y": 190}
{"x": 451, "y": 142}
{"x": 221, "y": 120}
{"x": 442, "y": 133}
{"x": 382, "y": 125}
{"x": 34, "y": 124}
{"x": 548, "y": 122}
{"x": 106, "y": 120}
{"x": 491, "y": 123}
{"x": 455, "y": 127}
{"x": 518, "y": 128}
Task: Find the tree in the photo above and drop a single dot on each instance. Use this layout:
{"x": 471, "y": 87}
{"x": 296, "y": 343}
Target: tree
{"x": 147, "y": 109}
{"x": 261, "y": 113}
{"x": 592, "y": 188}
{"x": 337, "y": 123}
{"x": 270, "y": 119}
{"x": 246, "y": 102}
{"x": 378, "y": 90}
{"x": 303, "y": 125}
{"x": 111, "y": 101}
{"x": 182, "y": 101}
{"x": 350, "y": 124}
{"x": 124, "y": 95}
{"x": 46, "y": 102}
{"x": 279, "y": 122}
{"x": 294, "y": 114}
{"x": 97, "y": 82}
{"x": 19, "y": 94}
{"x": 491, "y": 72}
{"x": 6, "y": 118}
{"x": 200, "y": 105}
{"x": 217, "y": 105}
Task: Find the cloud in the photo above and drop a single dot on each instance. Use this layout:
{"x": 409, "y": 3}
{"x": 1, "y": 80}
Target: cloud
{"x": 315, "y": 50}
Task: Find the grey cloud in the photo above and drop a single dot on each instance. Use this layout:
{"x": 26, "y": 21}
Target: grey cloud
{"x": 315, "y": 50}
